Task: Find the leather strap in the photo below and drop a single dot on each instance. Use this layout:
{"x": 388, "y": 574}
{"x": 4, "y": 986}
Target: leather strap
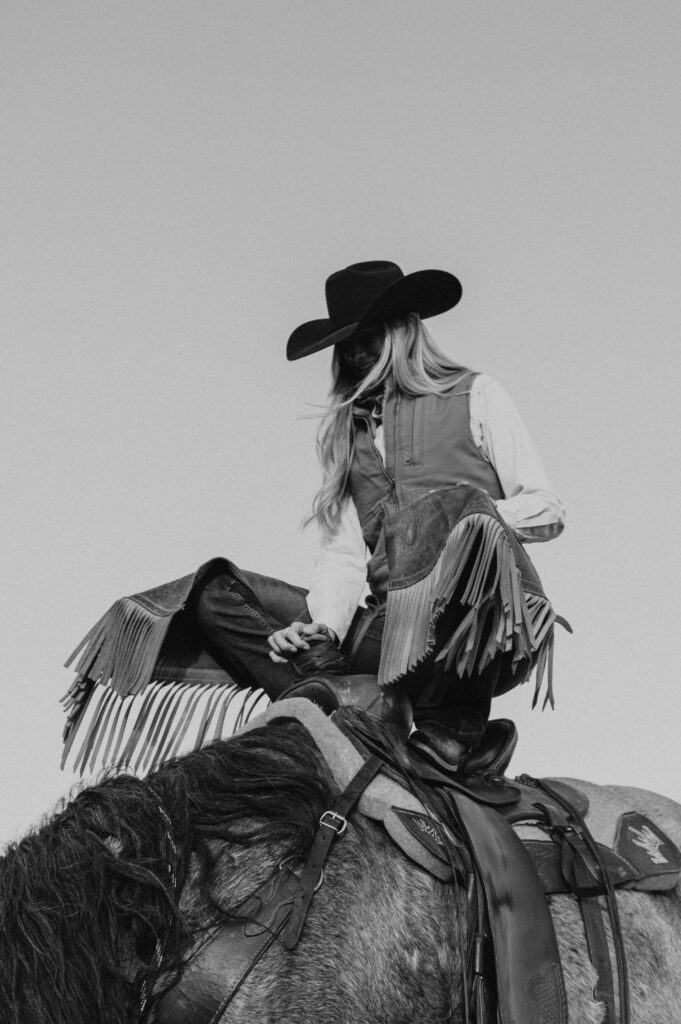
{"x": 529, "y": 976}
{"x": 331, "y": 824}
{"x": 222, "y": 963}
{"x": 599, "y": 954}
{"x": 549, "y": 860}
{"x": 582, "y": 868}
{"x": 481, "y": 988}
{"x": 593, "y": 868}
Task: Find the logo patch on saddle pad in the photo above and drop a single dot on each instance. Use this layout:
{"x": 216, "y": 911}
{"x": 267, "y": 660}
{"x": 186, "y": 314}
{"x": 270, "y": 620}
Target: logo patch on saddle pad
{"x": 427, "y": 830}
{"x": 646, "y": 847}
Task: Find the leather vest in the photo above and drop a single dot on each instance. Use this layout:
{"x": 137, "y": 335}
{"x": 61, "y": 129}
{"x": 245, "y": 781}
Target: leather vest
{"x": 428, "y": 445}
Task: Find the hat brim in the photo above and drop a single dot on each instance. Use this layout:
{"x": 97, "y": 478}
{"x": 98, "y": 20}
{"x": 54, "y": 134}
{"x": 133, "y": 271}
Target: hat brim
{"x": 425, "y": 292}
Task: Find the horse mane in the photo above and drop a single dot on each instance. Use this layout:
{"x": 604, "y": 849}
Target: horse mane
{"x": 86, "y": 895}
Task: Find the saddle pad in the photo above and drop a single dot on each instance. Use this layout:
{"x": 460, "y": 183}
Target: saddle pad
{"x": 406, "y": 821}
{"x": 619, "y": 819}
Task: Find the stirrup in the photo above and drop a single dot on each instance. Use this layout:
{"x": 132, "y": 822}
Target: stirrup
{"x": 491, "y": 756}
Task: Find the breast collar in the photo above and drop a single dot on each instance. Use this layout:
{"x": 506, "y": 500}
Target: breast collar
{"x": 228, "y": 954}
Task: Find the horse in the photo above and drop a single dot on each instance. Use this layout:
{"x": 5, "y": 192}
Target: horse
{"x": 103, "y": 903}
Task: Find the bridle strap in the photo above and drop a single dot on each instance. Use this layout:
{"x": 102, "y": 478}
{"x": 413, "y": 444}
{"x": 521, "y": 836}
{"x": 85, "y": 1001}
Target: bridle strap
{"x": 331, "y": 824}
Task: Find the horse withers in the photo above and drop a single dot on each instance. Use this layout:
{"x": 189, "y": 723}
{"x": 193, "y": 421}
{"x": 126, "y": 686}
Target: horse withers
{"x": 105, "y": 906}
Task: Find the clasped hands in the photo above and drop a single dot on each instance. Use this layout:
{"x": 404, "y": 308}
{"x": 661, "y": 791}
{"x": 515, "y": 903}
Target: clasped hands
{"x": 288, "y": 642}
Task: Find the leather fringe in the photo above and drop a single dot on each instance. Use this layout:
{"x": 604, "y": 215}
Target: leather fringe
{"x": 500, "y": 616}
{"x": 122, "y": 648}
{"x": 139, "y": 731}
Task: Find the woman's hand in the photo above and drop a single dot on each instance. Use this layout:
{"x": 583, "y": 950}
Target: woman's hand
{"x": 286, "y": 643}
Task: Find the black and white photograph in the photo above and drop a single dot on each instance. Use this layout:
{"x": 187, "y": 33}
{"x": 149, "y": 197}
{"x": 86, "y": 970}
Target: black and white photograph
{"x": 341, "y": 485}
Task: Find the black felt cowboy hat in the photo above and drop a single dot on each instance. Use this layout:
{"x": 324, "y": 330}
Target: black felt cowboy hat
{"x": 367, "y": 293}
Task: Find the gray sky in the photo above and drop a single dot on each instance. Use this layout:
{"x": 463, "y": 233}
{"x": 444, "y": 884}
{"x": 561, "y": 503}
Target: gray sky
{"x": 178, "y": 181}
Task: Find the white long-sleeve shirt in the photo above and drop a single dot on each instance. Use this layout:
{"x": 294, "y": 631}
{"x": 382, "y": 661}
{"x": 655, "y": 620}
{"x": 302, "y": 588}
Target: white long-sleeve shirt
{"x": 529, "y": 506}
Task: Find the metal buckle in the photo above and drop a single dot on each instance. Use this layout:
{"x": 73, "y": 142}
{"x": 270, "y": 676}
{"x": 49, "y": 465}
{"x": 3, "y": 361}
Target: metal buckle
{"x": 339, "y": 830}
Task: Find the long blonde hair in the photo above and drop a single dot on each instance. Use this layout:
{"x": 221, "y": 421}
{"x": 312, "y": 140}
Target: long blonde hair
{"x": 411, "y": 363}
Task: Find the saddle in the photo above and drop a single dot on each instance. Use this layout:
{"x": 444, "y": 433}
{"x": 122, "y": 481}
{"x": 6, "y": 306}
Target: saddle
{"x": 510, "y": 844}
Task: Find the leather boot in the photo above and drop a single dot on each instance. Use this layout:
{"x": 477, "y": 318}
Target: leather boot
{"x": 391, "y": 706}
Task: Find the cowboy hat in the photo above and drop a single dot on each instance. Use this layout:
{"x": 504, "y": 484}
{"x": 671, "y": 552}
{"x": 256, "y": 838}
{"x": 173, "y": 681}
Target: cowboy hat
{"x": 366, "y": 293}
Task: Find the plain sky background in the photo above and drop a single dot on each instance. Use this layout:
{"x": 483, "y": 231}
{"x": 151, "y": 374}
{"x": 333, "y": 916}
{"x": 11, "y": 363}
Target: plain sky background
{"x": 178, "y": 180}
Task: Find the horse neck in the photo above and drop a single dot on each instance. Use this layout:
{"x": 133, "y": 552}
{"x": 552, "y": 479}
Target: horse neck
{"x": 380, "y": 941}
{"x": 222, "y": 877}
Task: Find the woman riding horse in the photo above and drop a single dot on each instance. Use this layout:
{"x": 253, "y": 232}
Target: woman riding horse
{"x": 431, "y": 486}
{"x": 405, "y": 428}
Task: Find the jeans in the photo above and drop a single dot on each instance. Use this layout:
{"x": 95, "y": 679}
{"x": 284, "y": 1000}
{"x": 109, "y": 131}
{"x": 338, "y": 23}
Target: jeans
{"x": 236, "y": 613}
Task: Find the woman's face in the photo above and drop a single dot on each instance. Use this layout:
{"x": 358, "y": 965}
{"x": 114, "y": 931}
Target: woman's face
{"x": 363, "y": 350}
